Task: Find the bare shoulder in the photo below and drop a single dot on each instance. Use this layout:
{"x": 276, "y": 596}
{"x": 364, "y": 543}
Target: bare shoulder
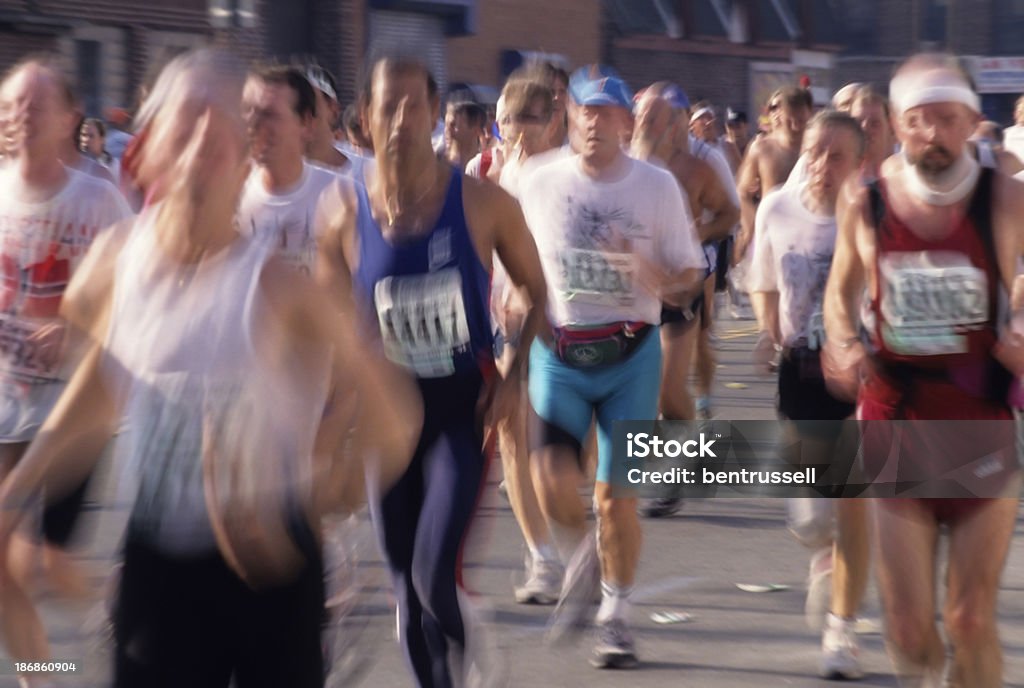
{"x": 1010, "y": 195}
{"x": 485, "y": 202}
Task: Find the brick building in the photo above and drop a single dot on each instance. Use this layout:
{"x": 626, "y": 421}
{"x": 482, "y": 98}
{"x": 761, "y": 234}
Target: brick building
{"x": 734, "y": 52}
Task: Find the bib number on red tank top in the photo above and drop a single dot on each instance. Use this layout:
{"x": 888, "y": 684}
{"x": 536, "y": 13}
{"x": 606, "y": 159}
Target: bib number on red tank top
{"x": 423, "y": 321}
{"x": 930, "y": 300}
{"x": 597, "y": 278}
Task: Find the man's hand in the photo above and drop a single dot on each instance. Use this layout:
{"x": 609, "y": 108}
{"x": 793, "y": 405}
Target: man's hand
{"x": 1009, "y": 351}
{"x": 841, "y": 365}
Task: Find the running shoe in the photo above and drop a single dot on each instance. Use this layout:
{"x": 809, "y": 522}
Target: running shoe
{"x": 615, "y": 648}
{"x": 661, "y": 507}
{"x": 840, "y": 652}
{"x": 543, "y": 584}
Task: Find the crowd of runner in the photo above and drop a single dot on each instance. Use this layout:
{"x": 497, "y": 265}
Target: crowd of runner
{"x": 285, "y": 310}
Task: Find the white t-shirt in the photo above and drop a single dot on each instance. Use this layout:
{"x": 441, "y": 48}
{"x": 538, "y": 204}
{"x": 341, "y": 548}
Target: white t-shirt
{"x": 1013, "y": 140}
{"x": 792, "y": 256}
{"x": 41, "y": 246}
{"x": 285, "y": 219}
{"x": 589, "y": 235}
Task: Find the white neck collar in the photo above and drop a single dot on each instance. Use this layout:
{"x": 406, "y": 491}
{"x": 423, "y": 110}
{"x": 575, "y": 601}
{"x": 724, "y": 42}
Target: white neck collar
{"x": 964, "y": 173}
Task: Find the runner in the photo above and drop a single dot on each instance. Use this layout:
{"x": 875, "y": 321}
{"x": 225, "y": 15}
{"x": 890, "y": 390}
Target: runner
{"x": 416, "y": 243}
{"x": 322, "y": 149}
{"x": 223, "y": 363}
{"x": 49, "y": 214}
{"x": 1014, "y": 136}
{"x": 947, "y": 225}
{"x": 279, "y": 200}
{"x": 661, "y": 134}
{"x": 793, "y": 245}
{"x": 525, "y": 127}
{"x": 616, "y": 239}
{"x": 463, "y": 126}
{"x": 704, "y": 125}
{"x": 771, "y": 158}
{"x": 737, "y": 130}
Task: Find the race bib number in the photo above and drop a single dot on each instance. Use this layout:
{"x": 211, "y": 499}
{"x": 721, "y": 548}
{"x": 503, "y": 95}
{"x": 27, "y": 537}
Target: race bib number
{"x": 930, "y": 300}
{"x": 20, "y": 356}
{"x": 595, "y": 277}
{"x": 423, "y": 321}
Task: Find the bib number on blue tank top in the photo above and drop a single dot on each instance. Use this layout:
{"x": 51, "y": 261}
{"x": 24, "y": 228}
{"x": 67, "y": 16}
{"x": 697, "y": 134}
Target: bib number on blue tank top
{"x": 597, "y": 278}
{"x": 930, "y": 300}
{"x": 423, "y": 321}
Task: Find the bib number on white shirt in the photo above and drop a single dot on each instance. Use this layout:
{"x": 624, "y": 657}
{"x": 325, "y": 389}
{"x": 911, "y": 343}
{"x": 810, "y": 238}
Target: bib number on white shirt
{"x": 599, "y": 278}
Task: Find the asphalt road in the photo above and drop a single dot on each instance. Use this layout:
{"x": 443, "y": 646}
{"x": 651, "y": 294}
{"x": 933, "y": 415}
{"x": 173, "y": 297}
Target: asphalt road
{"x": 690, "y": 563}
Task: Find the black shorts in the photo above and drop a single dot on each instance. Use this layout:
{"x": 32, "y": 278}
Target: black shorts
{"x": 61, "y": 517}
{"x": 679, "y": 319}
{"x": 191, "y": 621}
{"x": 802, "y": 391}
{"x": 722, "y": 264}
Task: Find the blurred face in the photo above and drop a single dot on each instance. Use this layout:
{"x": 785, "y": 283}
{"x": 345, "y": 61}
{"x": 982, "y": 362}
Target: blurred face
{"x": 170, "y": 141}
{"x": 601, "y": 128}
{"x": 457, "y": 130}
{"x": 529, "y": 128}
{"x": 38, "y": 118}
{"x": 704, "y": 127}
{"x": 875, "y": 125}
{"x": 559, "y": 96}
{"x": 832, "y": 156}
{"x": 654, "y": 123}
{"x": 276, "y": 132}
{"x": 737, "y": 130}
{"x": 401, "y": 114}
{"x": 934, "y": 135}
{"x": 794, "y": 119}
{"x": 327, "y": 112}
{"x": 89, "y": 140}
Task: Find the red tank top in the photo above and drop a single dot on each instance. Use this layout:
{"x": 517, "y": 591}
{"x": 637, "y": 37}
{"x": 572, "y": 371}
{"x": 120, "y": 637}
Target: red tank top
{"x": 936, "y": 310}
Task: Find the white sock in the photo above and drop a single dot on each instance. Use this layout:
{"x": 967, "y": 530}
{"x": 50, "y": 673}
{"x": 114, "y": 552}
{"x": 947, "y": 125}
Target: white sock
{"x": 614, "y": 602}
{"x": 546, "y": 553}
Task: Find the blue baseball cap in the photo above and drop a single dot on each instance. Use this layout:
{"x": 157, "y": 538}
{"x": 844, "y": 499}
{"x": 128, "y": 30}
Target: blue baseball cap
{"x": 599, "y": 85}
{"x": 676, "y": 97}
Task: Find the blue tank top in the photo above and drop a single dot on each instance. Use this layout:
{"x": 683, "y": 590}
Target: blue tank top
{"x": 431, "y": 294}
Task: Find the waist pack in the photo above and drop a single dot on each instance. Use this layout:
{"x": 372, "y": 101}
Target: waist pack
{"x": 600, "y": 346}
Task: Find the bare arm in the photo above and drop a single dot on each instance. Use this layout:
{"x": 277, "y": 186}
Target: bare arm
{"x": 843, "y": 353}
{"x": 748, "y": 183}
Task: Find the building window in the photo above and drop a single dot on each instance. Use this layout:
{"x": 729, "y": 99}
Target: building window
{"x": 1008, "y": 20}
{"x": 934, "y": 15}
{"x": 233, "y": 14}
{"x": 88, "y": 56}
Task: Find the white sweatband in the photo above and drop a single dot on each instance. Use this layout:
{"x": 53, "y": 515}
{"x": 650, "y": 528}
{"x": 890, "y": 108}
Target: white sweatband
{"x": 936, "y": 86}
{"x": 700, "y": 113}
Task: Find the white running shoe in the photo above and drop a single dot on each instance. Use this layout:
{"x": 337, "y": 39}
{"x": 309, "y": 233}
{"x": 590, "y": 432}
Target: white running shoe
{"x": 840, "y": 651}
{"x": 543, "y": 584}
{"x": 615, "y": 648}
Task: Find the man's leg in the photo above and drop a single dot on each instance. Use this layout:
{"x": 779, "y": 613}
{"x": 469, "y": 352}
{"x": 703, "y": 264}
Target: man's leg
{"x": 978, "y": 544}
{"x": 633, "y": 396}
{"x": 23, "y": 631}
{"x": 560, "y": 417}
{"x": 851, "y": 557}
{"x": 678, "y": 342}
{"x": 907, "y": 534}
{"x": 705, "y": 351}
{"x": 543, "y": 577}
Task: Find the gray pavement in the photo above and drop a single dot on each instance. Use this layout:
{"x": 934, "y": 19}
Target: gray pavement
{"x": 690, "y": 563}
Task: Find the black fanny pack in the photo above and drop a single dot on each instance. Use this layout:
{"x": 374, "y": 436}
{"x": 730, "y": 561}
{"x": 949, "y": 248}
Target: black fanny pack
{"x": 600, "y": 346}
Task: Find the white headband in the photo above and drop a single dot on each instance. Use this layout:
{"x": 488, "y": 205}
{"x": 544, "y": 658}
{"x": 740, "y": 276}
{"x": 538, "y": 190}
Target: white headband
{"x": 317, "y": 81}
{"x": 935, "y": 86}
{"x": 700, "y": 113}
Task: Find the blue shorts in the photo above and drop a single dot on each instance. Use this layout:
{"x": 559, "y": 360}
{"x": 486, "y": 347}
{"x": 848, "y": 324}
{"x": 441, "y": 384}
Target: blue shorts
{"x": 565, "y": 399}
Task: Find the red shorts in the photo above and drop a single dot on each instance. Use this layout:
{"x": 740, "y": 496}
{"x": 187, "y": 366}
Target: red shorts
{"x": 934, "y": 440}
